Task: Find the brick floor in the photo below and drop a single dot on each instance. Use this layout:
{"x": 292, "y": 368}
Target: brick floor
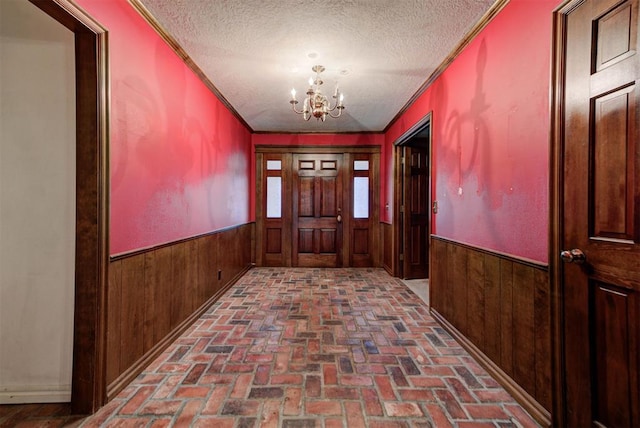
{"x": 290, "y": 347}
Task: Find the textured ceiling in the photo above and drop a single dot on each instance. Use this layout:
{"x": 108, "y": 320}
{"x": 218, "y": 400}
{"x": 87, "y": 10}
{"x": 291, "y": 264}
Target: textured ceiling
{"x": 380, "y": 52}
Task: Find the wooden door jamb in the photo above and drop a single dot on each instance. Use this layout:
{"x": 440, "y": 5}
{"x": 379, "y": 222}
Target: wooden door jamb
{"x": 556, "y": 195}
{"x": 398, "y": 190}
{"x": 88, "y": 385}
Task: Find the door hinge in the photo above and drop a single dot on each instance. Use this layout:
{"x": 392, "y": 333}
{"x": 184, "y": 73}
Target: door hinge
{"x": 402, "y": 160}
{"x": 401, "y": 257}
{"x": 401, "y": 208}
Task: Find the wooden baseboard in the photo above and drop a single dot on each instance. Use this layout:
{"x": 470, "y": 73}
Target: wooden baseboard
{"x": 537, "y": 412}
{"x": 388, "y": 269}
{"x": 35, "y": 394}
{"x": 132, "y": 372}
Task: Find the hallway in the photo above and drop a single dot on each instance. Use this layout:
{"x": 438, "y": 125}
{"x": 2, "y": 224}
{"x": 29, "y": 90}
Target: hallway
{"x": 314, "y": 348}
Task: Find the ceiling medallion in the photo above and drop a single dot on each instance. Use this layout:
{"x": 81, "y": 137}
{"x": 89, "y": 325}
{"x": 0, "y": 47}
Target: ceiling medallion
{"x": 316, "y": 104}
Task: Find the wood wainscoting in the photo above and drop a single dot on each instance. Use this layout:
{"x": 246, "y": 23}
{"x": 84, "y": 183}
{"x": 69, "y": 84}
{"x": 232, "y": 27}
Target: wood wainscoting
{"x": 498, "y": 308}
{"x": 154, "y": 295}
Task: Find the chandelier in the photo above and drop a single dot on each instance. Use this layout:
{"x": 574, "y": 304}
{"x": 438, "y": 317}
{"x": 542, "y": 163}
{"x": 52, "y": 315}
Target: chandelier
{"x": 316, "y": 103}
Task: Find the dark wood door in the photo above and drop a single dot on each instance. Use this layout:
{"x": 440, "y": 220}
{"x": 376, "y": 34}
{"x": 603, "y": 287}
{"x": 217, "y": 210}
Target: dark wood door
{"x": 317, "y": 210}
{"x": 416, "y": 213}
{"x": 601, "y": 214}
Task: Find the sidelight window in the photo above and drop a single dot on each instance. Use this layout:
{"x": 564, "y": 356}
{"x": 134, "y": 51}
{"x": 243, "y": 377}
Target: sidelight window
{"x": 274, "y": 189}
{"x": 274, "y": 197}
{"x": 361, "y": 189}
{"x": 360, "y": 197}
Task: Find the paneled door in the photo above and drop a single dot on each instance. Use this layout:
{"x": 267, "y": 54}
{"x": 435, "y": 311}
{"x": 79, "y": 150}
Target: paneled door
{"x": 600, "y": 214}
{"x": 415, "y": 209}
{"x": 318, "y": 200}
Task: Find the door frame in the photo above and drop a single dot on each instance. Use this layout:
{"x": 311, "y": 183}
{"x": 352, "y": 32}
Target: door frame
{"x": 556, "y": 211}
{"x": 88, "y": 381}
{"x": 262, "y": 152}
{"x": 398, "y": 192}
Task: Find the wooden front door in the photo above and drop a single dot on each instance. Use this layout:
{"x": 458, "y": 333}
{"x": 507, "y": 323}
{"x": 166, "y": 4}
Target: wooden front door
{"x": 317, "y": 210}
{"x": 416, "y": 211}
{"x": 600, "y": 214}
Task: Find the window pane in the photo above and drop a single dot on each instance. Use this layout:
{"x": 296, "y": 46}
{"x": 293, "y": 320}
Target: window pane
{"x": 361, "y": 197}
{"x": 274, "y": 197}
{"x": 274, "y": 165}
{"x": 361, "y": 165}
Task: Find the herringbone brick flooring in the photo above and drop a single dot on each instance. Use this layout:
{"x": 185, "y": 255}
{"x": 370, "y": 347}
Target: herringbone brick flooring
{"x": 314, "y": 348}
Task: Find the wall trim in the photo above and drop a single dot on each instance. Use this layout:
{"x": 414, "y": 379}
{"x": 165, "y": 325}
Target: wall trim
{"x": 522, "y": 260}
{"x": 466, "y": 40}
{"x": 274, "y": 148}
{"x": 399, "y": 190}
{"x": 182, "y": 54}
{"x": 319, "y": 132}
{"x": 37, "y": 394}
{"x": 133, "y": 253}
{"x": 386, "y": 245}
{"x": 387, "y": 269}
{"x": 92, "y": 202}
{"x": 556, "y": 184}
{"x": 132, "y": 372}
{"x": 414, "y": 129}
{"x": 537, "y": 412}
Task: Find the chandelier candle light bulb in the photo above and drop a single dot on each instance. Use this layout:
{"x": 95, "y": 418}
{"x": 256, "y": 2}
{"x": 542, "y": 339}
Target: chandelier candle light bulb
{"x": 316, "y": 104}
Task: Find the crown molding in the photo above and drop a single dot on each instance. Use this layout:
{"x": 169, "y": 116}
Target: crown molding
{"x": 173, "y": 44}
{"x": 480, "y": 25}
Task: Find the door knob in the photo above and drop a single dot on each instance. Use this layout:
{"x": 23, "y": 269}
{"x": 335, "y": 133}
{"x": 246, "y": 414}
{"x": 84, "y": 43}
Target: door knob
{"x": 573, "y": 256}
{"x": 339, "y": 218}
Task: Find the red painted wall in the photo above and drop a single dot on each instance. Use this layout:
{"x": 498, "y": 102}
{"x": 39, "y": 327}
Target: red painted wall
{"x": 179, "y": 158}
{"x": 491, "y": 135}
{"x": 314, "y": 140}
{"x": 182, "y": 164}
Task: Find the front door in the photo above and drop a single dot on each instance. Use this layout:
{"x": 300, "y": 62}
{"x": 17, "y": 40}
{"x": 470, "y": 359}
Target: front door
{"x": 318, "y": 199}
{"x": 601, "y": 214}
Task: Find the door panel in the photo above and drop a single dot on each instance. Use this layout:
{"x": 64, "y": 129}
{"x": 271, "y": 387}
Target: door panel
{"x": 601, "y": 196}
{"x": 274, "y": 241}
{"x": 328, "y": 241}
{"x": 317, "y": 201}
{"x": 613, "y": 207}
{"x": 329, "y": 196}
{"x": 615, "y": 36}
{"x": 613, "y": 342}
{"x": 306, "y": 196}
{"x": 360, "y": 241}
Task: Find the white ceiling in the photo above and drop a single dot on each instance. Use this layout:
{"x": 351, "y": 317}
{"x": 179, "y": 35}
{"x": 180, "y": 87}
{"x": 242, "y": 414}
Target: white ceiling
{"x": 380, "y": 52}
